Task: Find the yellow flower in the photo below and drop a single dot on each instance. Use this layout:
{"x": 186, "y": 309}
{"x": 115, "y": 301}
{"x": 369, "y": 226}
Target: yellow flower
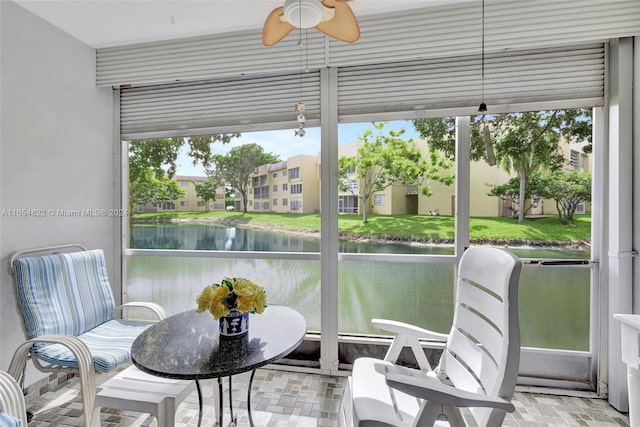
{"x": 204, "y": 299}
{"x": 219, "y": 310}
{"x": 245, "y": 303}
{"x": 260, "y": 301}
{"x": 243, "y": 287}
{"x": 217, "y": 307}
{"x": 232, "y": 294}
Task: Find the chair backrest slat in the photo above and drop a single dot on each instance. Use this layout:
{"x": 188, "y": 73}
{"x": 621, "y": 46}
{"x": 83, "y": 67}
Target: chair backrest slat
{"x": 480, "y": 331}
{"x": 477, "y": 361}
{"x": 490, "y": 305}
{"x": 63, "y": 293}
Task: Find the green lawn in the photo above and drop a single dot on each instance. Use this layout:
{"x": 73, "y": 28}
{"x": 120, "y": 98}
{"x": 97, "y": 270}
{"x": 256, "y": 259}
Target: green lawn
{"x": 404, "y": 226}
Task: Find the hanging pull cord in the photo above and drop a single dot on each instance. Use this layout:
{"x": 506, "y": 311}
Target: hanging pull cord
{"x": 483, "y": 107}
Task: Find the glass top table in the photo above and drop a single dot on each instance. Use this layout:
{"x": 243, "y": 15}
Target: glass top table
{"x": 188, "y": 346}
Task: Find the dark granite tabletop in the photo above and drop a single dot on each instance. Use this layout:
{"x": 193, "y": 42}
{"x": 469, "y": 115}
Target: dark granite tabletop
{"x": 188, "y": 346}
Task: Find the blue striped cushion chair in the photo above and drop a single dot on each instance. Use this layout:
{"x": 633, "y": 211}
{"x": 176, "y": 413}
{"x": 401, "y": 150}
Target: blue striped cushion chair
{"x": 7, "y": 420}
{"x": 69, "y": 294}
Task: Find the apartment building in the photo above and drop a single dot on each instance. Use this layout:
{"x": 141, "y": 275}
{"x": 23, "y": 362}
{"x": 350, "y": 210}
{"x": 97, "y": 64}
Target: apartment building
{"x": 294, "y": 186}
{"x": 400, "y": 199}
{"x": 289, "y": 186}
{"x": 190, "y": 202}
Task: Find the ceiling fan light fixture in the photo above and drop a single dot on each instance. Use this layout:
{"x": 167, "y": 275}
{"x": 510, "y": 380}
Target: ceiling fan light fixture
{"x": 303, "y": 13}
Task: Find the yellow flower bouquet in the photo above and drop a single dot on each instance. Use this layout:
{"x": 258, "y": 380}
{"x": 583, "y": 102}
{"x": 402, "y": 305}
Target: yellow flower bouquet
{"x": 232, "y": 294}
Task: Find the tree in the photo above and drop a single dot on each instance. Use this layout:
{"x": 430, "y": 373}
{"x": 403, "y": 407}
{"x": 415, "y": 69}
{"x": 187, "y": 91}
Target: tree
{"x": 156, "y": 191}
{"x": 206, "y": 190}
{"x": 568, "y": 189}
{"x": 152, "y": 165}
{"x": 236, "y": 167}
{"x": 524, "y": 143}
{"x": 511, "y": 190}
{"x": 160, "y": 155}
{"x": 385, "y": 160}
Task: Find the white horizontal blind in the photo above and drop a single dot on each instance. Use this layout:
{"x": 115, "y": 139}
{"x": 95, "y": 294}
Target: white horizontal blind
{"x": 455, "y": 29}
{"x": 222, "y": 55}
{"x": 218, "y": 105}
{"x": 429, "y": 32}
{"x": 573, "y": 74}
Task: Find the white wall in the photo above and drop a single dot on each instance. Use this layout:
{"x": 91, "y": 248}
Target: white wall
{"x": 56, "y": 150}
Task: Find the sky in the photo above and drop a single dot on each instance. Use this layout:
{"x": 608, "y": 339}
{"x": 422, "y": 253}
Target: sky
{"x": 285, "y": 144}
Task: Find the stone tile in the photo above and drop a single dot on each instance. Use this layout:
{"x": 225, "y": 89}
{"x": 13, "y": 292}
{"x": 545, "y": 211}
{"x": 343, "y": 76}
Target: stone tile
{"x": 284, "y": 399}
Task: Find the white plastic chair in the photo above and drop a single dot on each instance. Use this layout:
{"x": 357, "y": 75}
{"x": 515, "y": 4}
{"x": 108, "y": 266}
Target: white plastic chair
{"x": 478, "y": 368}
{"x": 13, "y": 410}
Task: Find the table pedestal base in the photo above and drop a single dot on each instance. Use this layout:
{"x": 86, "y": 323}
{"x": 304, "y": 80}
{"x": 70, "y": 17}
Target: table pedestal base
{"x": 219, "y": 404}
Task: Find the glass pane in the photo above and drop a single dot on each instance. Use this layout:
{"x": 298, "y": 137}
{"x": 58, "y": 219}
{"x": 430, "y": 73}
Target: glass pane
{"x": 174, "y": 282}
{"x": 255, "y": 191}
{"x": 548, "y": 154}
{"x": 554, "y": 307}
{"x": 393, "y": 189}
{"x": 416, "y": 293}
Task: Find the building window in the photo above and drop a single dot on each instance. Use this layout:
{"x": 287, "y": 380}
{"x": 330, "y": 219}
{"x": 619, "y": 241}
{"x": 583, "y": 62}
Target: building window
{"x": 275, "y": 202}
{"x": 256, "y": 182}
{"x": 263, "y": 179}
{"x": 379, "y": 199}
{"x": 256, "y": 192}
{"x": 349, "y": 171}
{"x": 285, "y": 202}
{"x": 284, "y": 173}
{"x": 275, "y": 188}
{"x": 351, "y": 184}
{"x": 265, "y": 206}
{"x": 296, "y": 205}
{"x": 348, "y": 204}
{"x": 184, "y": 204}
{"x": 294, "y": 173}
{"x": 285, "y": 187}
{"x": 200, "y": 203}
{"x": 574, "y": 159}
{"x": 184, "y": 184}
{"x": 274, "y": 175}
{"x": 296, "y": 189}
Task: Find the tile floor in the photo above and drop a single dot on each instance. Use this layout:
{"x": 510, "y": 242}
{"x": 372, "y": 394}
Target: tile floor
{"x": 290, "y": 399}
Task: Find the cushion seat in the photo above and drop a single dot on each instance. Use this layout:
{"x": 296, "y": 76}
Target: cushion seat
{"x": 109, "y": 344}
{"x": 7, "y": 420}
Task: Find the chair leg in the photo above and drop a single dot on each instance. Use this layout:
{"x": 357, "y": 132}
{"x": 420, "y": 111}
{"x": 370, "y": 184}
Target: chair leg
{"x": 166, "y": 415}
{"x": 85, "y": 369}
{"x": 432, "y": 411}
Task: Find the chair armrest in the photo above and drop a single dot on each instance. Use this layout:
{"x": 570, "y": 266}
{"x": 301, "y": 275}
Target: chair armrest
{"x": 86, "y": 370}
{"x": 407, "y": 335}
{"x": 157, "y": 309}
{"x": 408, "y": 329}
{"x": 435, "y": 391}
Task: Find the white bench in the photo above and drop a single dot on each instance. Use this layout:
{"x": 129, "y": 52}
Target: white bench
{"x": 133, "y": 390}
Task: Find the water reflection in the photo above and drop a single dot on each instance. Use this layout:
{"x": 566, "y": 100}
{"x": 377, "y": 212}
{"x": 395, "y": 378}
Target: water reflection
{"x": 217, "y": 237}
{"x": 223, "y": 238}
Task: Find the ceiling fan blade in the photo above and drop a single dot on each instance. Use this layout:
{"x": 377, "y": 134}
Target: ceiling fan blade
{"x": 344, "y": 25}
{"x": 275, "y": 29}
